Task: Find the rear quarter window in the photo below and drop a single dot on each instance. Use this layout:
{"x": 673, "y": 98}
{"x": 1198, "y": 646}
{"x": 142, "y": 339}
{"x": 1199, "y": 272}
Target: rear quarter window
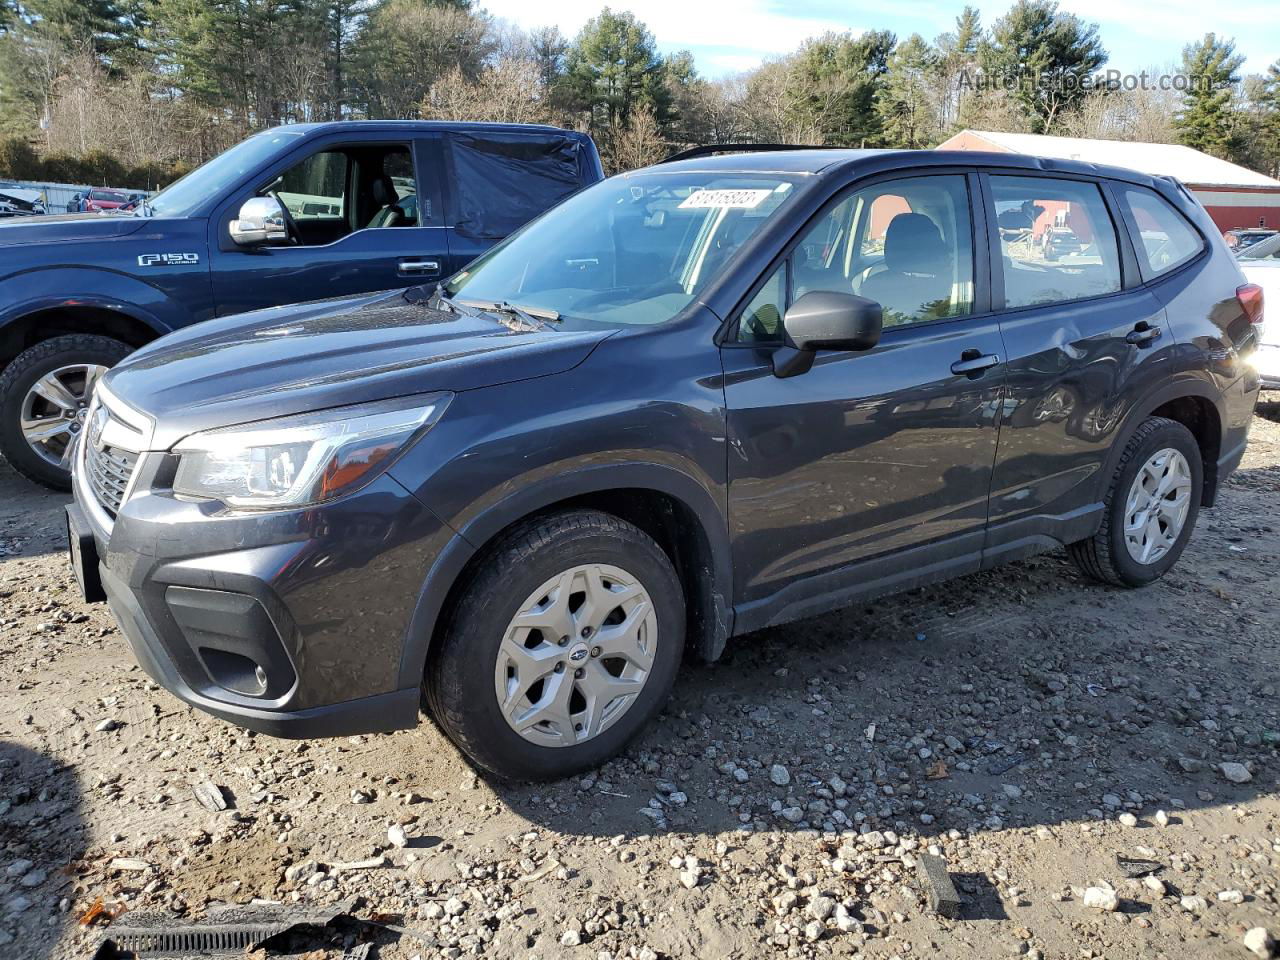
{"x": 1165, "y": 239}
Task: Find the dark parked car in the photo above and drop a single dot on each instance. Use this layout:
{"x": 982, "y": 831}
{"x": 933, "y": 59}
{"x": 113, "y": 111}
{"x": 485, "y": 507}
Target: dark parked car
{"x": 293, "y": 214}
{"x": 690, "y": 402}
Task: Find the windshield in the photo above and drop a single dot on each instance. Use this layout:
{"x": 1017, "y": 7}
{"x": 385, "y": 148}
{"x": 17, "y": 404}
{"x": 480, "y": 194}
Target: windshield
{"x": 630, "y": 250}
{"x": 180, "y": 198}
{"x": 1268, "y": 249}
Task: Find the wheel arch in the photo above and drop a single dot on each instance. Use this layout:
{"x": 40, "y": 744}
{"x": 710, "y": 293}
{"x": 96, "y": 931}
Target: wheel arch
{"x": 34, "y": 323}
{"x": 1198, "y": 406}
{"x": 674, "y": 509}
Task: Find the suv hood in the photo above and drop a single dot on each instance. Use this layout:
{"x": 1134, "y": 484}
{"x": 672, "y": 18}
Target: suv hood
{"x": 286, "y": 360}
{"x": 66, "y": 226}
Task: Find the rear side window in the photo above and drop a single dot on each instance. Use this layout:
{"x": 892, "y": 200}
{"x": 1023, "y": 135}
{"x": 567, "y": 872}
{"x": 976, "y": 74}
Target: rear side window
{"x": 1057, "y": 242}
{"x": 1165, "y": 240}
{"x": 503, "y": 180}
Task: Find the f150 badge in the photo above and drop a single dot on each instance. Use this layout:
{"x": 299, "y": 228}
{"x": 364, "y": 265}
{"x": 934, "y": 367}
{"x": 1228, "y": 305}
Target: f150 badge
{"x": 168, "y": 259}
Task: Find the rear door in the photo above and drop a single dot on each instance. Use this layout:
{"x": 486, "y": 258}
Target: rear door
{"x": 367, "y": 217}
{"x": 873, "y": 468}
{"x": 1084, "y": 341}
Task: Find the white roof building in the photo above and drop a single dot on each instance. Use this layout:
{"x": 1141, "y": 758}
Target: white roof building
{"x": 1235, "y": 196}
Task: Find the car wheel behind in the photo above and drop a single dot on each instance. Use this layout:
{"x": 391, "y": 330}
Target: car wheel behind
{"x": 44, "y": 398}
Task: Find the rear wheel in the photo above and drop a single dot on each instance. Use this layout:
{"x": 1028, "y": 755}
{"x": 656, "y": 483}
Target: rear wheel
{"x": 562, "y": 647}
{"x": 1150, "y": 508}
{"x": 44, "y": 397}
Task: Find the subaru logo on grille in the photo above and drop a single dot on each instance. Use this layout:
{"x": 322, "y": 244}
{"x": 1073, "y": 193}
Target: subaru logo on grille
{"x": 95, "y": 428}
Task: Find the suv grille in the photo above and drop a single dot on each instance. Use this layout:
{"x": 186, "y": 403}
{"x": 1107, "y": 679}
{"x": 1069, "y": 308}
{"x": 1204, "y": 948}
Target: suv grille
{"x": 109, "y": 471}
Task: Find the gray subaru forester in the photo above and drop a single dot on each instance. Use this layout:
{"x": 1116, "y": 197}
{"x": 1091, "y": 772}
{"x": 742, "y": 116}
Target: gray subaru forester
{"x": 690, "y": 402}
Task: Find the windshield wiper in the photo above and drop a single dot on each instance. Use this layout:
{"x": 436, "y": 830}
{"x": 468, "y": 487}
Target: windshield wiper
{"x": 535, "y": 317}
{"x": 441, "y": 299}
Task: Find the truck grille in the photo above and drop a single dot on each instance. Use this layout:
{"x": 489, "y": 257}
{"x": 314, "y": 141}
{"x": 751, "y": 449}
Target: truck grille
{"x": 109, "y": 471}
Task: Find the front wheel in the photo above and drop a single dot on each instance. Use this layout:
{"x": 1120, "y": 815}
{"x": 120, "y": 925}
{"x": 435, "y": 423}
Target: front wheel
{"x": 1150, "y": 508}
{"x": 561, "y": 648}
{"x": 44, "y": 397}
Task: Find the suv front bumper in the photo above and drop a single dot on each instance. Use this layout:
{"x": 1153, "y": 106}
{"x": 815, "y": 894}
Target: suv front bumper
{"x": 291, "y": 623}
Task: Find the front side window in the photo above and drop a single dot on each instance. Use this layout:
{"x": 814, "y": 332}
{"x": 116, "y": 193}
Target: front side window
{"x": 1057, "y": 242}
{"x": 629, "y": 250}
{"x": 1166, "y": 240}
{"x": 344, "y": 189}
{"x": 906, "y": 244}
{"x": 316, "y": 188}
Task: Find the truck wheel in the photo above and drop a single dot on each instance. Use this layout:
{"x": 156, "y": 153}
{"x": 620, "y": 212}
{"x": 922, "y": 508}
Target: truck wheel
{"x": 561, "y": 648}
{"x": 44, "y": 396}
{"x": 1150, "y": 508}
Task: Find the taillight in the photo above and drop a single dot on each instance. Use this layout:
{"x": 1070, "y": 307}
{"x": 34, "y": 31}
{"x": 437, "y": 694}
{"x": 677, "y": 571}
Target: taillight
{"x": 1250, "y": 297}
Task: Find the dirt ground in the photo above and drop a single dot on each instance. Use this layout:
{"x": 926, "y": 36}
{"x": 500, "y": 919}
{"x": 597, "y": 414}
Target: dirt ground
{"x": 1024, "y": 724}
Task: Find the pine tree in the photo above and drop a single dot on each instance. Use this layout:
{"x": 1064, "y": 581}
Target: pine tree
{"x": 1205, "y": 121}
{"x": 1048, "y": 52}
{"x": 906, "y": 104}
{"x": 612, "y": 68}
{"x": 836, "y": 80}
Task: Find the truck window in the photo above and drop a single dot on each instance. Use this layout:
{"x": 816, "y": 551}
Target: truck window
{"x": 340, "y": 190}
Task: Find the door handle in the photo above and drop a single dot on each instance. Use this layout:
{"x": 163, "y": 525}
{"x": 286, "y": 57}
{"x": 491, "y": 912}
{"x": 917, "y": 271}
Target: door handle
{"x": 972, "y": 363}
{"x": 1143, "y": 335}
{"x": 419, "y": 266}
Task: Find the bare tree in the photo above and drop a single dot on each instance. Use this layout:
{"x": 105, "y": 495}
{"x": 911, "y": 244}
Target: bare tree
{"x": 509, "y": 91}
{"x": 639, "y": 143}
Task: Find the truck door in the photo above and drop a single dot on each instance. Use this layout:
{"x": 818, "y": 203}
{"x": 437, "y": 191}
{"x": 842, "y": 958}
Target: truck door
{"x": 363, "y": 215}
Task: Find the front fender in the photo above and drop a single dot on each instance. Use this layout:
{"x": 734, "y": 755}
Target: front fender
{"x": 60, "y": 288}
{"x": 452, "y": 561}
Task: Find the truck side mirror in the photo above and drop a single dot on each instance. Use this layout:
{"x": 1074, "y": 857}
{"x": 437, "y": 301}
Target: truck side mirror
{"x": 826, "y": 320}
{"x": 261, "y": 222}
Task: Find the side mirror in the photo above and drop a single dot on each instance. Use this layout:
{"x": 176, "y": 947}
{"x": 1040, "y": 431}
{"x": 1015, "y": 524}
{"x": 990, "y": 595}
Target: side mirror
{"x": 261, "y": 222}
{"x": 826, "y": 320}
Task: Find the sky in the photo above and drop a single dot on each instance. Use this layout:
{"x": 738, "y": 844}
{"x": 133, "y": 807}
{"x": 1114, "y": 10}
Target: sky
{"x": 730, "y": 36}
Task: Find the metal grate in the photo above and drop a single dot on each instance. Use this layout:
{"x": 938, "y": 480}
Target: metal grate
{"x": 231, "y": 938}
{"x": 109, "y": 471}
{"x": 230, "y": 930}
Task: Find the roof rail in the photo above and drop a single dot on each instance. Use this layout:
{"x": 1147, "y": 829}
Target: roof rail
{"x": 711, "y": 149}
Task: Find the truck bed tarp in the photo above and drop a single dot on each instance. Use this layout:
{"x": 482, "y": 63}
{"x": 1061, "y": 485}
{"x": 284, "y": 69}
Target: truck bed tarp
{"x": 502, "y": 181}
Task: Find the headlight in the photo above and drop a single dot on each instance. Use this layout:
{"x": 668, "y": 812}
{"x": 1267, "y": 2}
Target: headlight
{"x": 300, "y": 460}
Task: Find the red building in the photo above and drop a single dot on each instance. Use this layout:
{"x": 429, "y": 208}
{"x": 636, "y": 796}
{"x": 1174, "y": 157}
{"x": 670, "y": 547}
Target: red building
{"x": 1234, "y": 195}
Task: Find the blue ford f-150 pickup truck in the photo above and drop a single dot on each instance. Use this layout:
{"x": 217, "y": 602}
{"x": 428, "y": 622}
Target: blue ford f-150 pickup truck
{"x": 303, "y": 212}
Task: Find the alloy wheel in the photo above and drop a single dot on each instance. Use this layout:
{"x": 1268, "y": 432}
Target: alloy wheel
{"x": 54, "y": 409}
{"x": 576, "y": 655}
{"x": 1157, "y": 505}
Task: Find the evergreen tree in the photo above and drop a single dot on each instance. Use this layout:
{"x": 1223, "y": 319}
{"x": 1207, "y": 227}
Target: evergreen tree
{"x": 836, "y": 80}
{"x": 1048, "y": 52}
{"x": 1206, "y": 121}
{"x": 612, "y": 68}
{"x": 906, "y": 103}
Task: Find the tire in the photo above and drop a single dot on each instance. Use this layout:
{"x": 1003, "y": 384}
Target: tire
{"x": 471, "y": 668}
{"x": 22, "y": 374}
{"x": 1106, "y": 556}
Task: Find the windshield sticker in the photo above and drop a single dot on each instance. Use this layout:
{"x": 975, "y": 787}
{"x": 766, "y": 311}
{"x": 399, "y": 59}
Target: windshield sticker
{"x": 724, "y": 199}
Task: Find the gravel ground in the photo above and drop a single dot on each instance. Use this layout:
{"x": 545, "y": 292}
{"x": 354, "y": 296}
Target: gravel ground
{"x": 1023, "y": 724}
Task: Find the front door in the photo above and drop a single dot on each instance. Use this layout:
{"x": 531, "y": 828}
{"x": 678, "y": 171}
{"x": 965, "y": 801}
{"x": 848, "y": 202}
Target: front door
{"x": 364, "y": 217}
{"x": 872, "y": 469}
